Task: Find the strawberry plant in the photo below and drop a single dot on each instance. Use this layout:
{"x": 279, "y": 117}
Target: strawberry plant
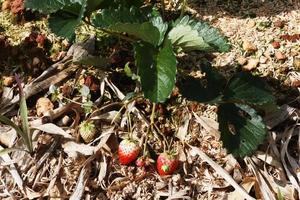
{"x": 156, "y": 43}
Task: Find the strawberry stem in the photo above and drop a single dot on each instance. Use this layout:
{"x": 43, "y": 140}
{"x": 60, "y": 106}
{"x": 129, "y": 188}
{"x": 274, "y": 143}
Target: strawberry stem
{"x": 129, "y": 122}
{"x": 145, "y": 143}
{"x": 152, "y": 115}
{"x": 150, "y": 128}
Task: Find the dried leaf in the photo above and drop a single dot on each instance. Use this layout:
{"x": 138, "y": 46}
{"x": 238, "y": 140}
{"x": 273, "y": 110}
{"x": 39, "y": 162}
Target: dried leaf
{"x": 278, "y": 116}
{"x": 109, "y": 116}
{"x": 264, "y": 191}
{"x": 82, "y": 179}
{"x": 30, "y": 194}
{"x": 53, "y": 129}
{"x": 8, "y": 136}
{"x": 210, "y": 125}
{"x": 283, "y": 153}
{"x": 183, "y": 129}
{"x": 102, "y": 172}
{"x": 196, "y": 151}
{"x": 247, "y": 184}
{"x": 73, "y": 148}
{"x": 13, "y": 171}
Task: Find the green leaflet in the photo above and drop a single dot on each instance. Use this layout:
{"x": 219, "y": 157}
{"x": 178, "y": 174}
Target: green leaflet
{"x": 188, "y": 34}
{"x": 46, "y": 6}
{"x": 133, "y": 22}
{"x": 248, "y": 89}
{"x": 242, "y": 129}
{"x": 158, "y": 22}
{"x": 157, "y": 70}
{"x": 64, "y": 23}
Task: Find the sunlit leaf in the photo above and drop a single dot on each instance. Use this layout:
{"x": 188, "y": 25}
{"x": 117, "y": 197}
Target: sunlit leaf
{"x": 188, "y": 34}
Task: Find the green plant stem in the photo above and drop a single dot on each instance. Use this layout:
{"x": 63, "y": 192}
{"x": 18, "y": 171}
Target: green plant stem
{"x": 129, "y": 123}
{"x": 150, "y": 127}
{"x": 146, "y": 141}
{"x": 154, "y": 126}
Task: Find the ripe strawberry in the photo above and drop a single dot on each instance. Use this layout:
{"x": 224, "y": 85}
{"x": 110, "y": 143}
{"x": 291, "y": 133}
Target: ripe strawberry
{"x": 167, "y": 163}
{"x": 128, "y": 151}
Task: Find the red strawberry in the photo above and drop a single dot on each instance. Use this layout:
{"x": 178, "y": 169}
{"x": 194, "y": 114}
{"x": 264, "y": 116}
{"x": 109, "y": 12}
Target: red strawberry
{"x": 128, "y": 151}
{"x": 167, "y": 163}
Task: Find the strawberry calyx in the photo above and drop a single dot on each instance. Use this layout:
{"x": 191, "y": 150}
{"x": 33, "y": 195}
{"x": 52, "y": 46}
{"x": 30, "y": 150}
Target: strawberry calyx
{"x": 165, "y": 168}
{"x": 87, "y": 126}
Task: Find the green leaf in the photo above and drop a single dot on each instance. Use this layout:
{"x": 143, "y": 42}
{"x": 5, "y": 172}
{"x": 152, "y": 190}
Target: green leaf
{"x": 130, "y": 74}
{"x": 111, "y": 16}
{"x": 157, "y": 70}
{"x": 122, "y": 3}
{"x": 46, "y": 6}
{"x": 188, "y": 34}
{"x": 24, "y": 116}
{"x": 158, "y": 22}
{"x": 205, "y": 90}
{"x": 24, "y": 121}
{"x": 93, "y": 5}
{"x": 130, "y": 21}
{"x": 242, "y": 129}
{"x": 145, "y": 31}
{"x": 63, "y": 24}
{"x": 127, "y": 70}
{"x": 248, "y": 89}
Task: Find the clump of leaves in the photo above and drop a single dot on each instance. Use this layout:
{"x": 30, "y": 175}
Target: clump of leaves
{"x": 239, "y": 99}
{"x": 156, "y": 43}
{"x": 155, "y": 40}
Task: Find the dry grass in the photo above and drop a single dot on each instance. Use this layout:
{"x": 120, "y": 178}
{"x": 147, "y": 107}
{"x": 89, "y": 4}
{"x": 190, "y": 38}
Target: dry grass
{"x": 64, "y": 167}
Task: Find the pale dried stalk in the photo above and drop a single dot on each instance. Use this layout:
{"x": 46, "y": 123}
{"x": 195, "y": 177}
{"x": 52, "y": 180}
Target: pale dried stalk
{"x": 13, "y": 171}
{"x": 220, "y": 171}
{"x": 54, "y": 175}
{"x": 82, "y": 179}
